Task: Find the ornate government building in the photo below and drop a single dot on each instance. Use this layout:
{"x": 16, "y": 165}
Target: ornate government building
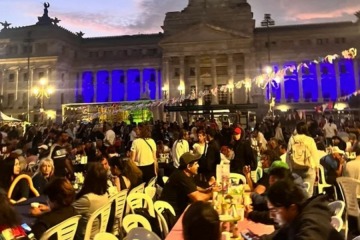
{"x": 208, "y": 44}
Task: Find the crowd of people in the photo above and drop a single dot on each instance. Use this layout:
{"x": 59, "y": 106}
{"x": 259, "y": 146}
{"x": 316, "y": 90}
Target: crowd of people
{"x": 124, "y": 155}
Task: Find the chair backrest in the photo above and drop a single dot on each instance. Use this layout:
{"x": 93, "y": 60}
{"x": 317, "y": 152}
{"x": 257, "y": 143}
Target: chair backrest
{"x": 257, "y": 174}
{"x": 337, "y": 223}
{"x": 150, "y": 191}
{"x": 348, "y": 188}
{"x": 152, "y": 182}
{"x": 236, "y": 177}
{"x": 165, "y": 179}
{"x": 322, "y": 174}
{"x": 103, "y": 213}
{"x": 356, "y": 238}
{"x": 65, "y": 230}
{"x": 141, "y": 233}
{"x": 159, "y": 207}
{"x": 120, "y": 201}
{"x": 135, "y": 200}
{"x": 337, "y": 207}
{"x": 132, "y": 221}
{"x": 105, "y": 235}
{"x": 16, "y": 180}
{"x": 138, "y": 189}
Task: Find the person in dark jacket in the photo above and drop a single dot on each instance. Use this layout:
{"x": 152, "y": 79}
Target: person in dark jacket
{"x": 299, "y": 218}
{"x": 244, "y": 155}
{"x": 212, "y": 156}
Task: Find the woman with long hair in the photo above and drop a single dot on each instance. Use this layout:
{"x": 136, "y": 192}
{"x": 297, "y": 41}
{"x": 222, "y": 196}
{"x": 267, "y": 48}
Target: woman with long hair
{"x": 91, "y": 197}
{"x": 9, "y": 170}
{"x": 126, "y": 174}
{"x": 143, "y": 153}
{"x": 44, "y": 174}
{"x": 199, "y": 147}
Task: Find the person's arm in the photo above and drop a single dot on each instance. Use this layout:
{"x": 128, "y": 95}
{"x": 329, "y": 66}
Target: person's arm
{"x": 260, "y": 189}
{"x": 247, "y": 174}
{"x": 199, "y": 196}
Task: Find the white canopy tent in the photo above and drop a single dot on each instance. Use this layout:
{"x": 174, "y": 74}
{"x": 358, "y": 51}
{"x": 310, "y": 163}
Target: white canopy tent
{"x": 6, "y": 118}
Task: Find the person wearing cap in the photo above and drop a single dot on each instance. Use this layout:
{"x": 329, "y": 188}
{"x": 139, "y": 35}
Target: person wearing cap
{"x": 180, "y": 189}
{"x": 244, "y": 155}
{"x": 333, "y": 164}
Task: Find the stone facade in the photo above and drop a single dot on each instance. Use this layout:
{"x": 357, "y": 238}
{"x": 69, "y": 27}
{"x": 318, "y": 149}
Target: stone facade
{"x": 208, "y": 44}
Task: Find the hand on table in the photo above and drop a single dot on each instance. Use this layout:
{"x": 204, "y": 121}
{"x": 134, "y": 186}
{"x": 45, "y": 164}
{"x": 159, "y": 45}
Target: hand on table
{"x": 36, "y": 211}
{"x": 248, "y": 209}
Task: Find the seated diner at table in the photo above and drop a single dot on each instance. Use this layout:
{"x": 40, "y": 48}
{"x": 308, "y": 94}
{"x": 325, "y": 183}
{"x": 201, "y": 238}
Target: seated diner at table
{"x": 9, "y": 170}
{"x": 61, "y": 195}
{"x": 180, "y": 189}
{"x": 126, "y": 175}
{"x": 91, "y": 197}
{"x": 43, "y": 174}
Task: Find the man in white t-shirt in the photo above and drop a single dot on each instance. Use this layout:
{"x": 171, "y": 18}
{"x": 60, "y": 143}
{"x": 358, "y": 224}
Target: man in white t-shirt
{"x": 134, "y": 133}
{"x": 109, "y": 136}
{"x": 180, "y": 147}
{"x": 330, "y": 130}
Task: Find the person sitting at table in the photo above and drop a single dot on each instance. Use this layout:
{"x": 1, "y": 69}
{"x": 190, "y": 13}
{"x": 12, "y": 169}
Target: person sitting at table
{"x": 43, "y": 174}
{"x": 298, "y": 216}
{"x": 181, "y": 189}
{"x": 61, "y": 195}
{"x": 266, "y": 159}
{"x": 91, "y": 197}
{"x": 201, "y": 221}
{"x": 126, "y": 175}
{"x": 9, "y": 170}
{"x": 9, "y": 218}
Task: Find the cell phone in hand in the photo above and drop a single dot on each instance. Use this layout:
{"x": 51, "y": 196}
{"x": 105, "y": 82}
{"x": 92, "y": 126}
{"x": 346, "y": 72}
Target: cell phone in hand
{"x": 26, "y": 227}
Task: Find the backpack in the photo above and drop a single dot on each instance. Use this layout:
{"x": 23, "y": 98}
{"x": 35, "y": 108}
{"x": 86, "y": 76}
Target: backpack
{"x": 300, "y": 155}
{"x": 155, "y": 226}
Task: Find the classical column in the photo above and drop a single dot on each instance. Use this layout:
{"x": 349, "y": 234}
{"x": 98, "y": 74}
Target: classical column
{"x": 110, "y": 86}
{"x": 95, "y": 86}
{"x": 356, "y": 73}
{"x": 231, "y": 74}
{"x": 338, "y": 79}
{"x": 141, "y": 82}
{"x": 157, "y": 87}
{"x": 318, "y": 78}
{"x": 125, "y": 84}
{"x": 2, "y": 85}
{"x": 167, "y": 76}
{"x": 17, "y": 83}
{"x": 282, "y": 89}
{"x": 300, "y": 82}
{"x": 182, "y": 73}
{"x": 214, "y": 78}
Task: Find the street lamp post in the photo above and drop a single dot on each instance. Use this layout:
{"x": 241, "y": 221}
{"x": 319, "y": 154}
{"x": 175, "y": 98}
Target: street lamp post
{"x": 43, "y": 91}
{"x": 268, "y": 22}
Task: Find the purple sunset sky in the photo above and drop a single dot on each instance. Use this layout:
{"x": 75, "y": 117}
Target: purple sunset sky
{"x": 118, "y": 17}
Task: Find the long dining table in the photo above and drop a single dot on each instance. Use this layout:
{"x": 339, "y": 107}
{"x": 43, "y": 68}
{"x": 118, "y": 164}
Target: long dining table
{"x": 176, "y": 232}
{"x": 23, "y": 209}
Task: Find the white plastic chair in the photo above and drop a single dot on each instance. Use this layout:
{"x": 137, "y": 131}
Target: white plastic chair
{"x": 257, "y": 174}
{"x": 236, "y": 177}
{"x": 103, "y": 213}
{"x": 348, "y": 188}
{"x": 152, "y": 182}
{"x": 133, "y": 220}
{"x": 165, "y": 179}
{"x": 138, "y": 189}
{"x": 150, "y": 191}
{"x": 65, "y": 230}
{"x": 135, "y": 200}
{"x": 120, "y": 201}
{"x": 356, "y": 238}
{"x": 159, "y": 206}
{"x": 337, "y": 223}
{"x": 105, "y": 235}
{"x": 337, "y": 207}
{"x": 322, "y": 183}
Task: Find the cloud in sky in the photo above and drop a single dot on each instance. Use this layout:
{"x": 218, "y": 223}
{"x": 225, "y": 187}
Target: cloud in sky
{"x": 118, "y": 17}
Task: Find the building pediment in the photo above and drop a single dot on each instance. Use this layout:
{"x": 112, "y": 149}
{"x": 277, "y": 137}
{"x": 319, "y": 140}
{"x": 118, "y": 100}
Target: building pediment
{"x": 204, "y": 32}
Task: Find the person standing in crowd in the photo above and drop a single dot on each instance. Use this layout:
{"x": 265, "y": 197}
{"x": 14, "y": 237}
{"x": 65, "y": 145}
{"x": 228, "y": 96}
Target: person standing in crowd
{"x": 143, "y": 153}
{"x": 244, "y": 155}
{"x": 278, "y": 132}
{"x": 9, "y": 170}
{"x": 61, "y": 195}
{"x": 43, "y": 175}
{"x": 298, "y": 216}
{"x": 110, "y": 136}
{"x": 63, "y": 165}
{"x": 181, "y": 188}
{"x": 201, "y": 145}
{"x": 180, "y": 146}
{"x": 302, "y": 155}
{"x": 210, "y": 158}
{"x": 333, "y": 164}
{"x": 201, "y": 221}
{"x": 330, "y": 130}
{"x": 134, "y": 132}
